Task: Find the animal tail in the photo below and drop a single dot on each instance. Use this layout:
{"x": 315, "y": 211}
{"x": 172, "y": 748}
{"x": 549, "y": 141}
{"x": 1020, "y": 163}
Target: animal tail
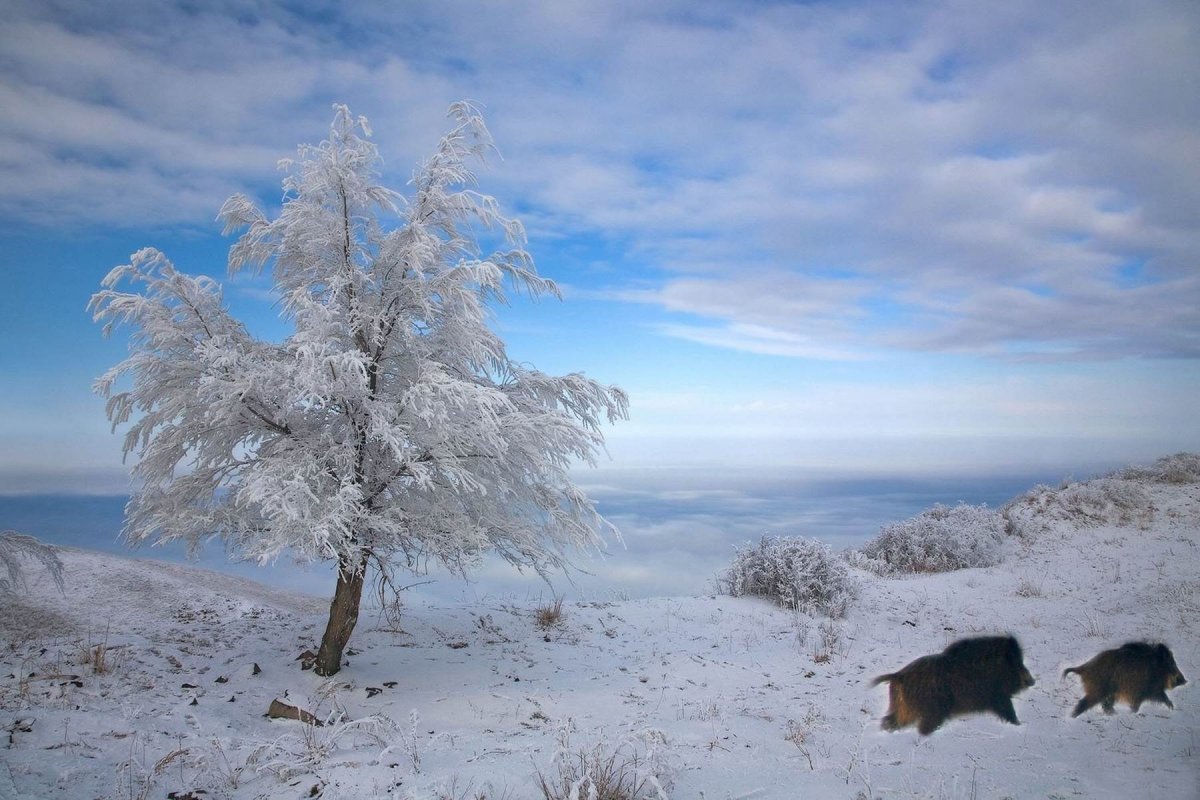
{"x": 883, "y": 679}
{"x": 1069, "y": 670}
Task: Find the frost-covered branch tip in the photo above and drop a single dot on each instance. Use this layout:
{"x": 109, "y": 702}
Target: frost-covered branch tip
{"x": 15, "y": 547}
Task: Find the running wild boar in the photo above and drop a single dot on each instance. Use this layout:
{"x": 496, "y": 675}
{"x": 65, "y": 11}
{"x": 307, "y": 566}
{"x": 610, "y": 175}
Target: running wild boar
{"x": 1134, "y": 672}
{"x": 979, "y": 674}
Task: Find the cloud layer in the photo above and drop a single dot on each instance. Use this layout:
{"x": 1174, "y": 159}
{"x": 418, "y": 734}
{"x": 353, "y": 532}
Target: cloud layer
{"x": 835, "y": 181}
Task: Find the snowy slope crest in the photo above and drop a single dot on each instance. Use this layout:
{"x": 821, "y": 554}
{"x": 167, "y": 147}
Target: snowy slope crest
{"x": 148, "y": 680}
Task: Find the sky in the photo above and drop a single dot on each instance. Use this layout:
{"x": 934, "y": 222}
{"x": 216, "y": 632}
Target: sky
{"x": 842, "y": 237}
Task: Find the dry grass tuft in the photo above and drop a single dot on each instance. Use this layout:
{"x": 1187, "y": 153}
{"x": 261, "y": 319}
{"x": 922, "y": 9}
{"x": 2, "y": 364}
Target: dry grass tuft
{"x": 550, "y": 615}
{"x": 96, "y": 656}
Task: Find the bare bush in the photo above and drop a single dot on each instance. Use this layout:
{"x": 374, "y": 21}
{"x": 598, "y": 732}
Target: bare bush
{"x": 294, "y": 754}
{"x": 830, "y": 644}
{"x": 801, "y": 732}
{"x": 939, "y": 539}
{"x": 798, "y": 573}
{"x": 636, "y": 769}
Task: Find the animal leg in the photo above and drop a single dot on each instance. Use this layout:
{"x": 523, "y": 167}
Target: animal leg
{"x": 1161, "y": 697}
{"x": 1107, "y": 704}
{"x": 1083, "y": 705}
{"x": 929, "y": 724}
{"x": 1004, "y": 708}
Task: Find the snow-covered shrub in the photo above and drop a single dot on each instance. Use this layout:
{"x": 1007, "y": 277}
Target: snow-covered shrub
{"x": 16, "y": 546}
{"x": 1103, "y": 501}
{"x": 857, "y": 559}
{"x": 639, "y": 768}
{"x": 1126, "y": 497}
{"x": 1179, "y": 468}
{"x": 306, "y": 750}
{"x": 797, "y": 572}
{"x": 1023, "y": 514}
{"x": 939, "y": 539}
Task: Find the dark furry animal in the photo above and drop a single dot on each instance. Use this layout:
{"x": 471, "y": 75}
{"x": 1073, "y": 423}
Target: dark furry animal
{"x": 980, "y": 674}
{"x": 1134, "y": 672}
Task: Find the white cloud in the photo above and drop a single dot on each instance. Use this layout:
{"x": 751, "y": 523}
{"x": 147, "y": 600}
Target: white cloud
{"x": 815, "y": 180}
{"x": 763, "y": 341}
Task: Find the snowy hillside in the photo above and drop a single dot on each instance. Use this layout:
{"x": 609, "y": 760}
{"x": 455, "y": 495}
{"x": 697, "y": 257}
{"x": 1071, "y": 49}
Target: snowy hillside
{"x": 147, "y": 680}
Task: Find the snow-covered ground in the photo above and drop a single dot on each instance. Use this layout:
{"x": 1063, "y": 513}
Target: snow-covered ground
{"x": 152, "y": 680}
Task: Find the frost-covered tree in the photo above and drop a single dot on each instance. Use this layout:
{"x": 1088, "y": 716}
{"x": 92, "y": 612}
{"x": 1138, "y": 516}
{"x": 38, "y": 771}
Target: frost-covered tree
{"x": 391, "y": 426}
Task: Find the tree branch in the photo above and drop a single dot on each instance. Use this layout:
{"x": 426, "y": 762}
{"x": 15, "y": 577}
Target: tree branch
{"x": 270, "y": 423}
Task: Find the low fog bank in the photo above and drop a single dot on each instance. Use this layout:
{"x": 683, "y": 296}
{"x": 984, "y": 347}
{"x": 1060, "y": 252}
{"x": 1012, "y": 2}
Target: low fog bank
{"x": 679, "y": 527}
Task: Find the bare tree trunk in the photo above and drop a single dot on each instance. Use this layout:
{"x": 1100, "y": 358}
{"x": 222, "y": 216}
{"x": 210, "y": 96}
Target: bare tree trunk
{"x": 343, "y": 615}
